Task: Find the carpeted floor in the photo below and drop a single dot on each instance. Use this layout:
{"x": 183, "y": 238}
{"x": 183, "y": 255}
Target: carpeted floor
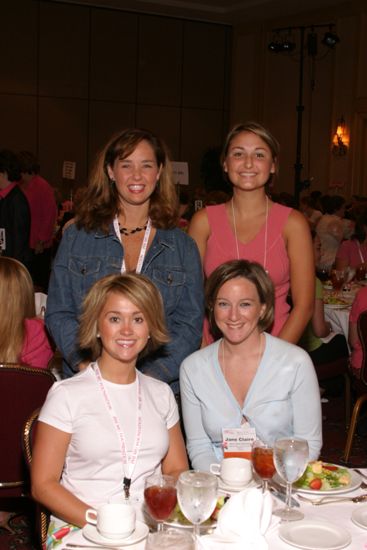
{"x": 334, "y": 435}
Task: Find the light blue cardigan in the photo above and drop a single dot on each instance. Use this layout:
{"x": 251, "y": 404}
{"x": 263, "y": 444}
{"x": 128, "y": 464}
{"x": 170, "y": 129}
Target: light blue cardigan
{"x": 282, "y": 401}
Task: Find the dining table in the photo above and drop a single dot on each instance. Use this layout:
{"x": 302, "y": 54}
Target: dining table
{"x": 338, "y": 514}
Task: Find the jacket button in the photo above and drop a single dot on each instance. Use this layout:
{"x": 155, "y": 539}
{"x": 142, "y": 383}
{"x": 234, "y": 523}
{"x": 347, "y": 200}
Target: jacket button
{"x": 83, "y": 271}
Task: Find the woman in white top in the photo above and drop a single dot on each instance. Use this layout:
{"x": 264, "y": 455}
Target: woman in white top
{"x": 93, "y": 425}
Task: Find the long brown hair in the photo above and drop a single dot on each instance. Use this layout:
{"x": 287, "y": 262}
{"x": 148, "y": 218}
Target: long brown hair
{"x": 101, "y": 202}
{"x": 17, "y": 304}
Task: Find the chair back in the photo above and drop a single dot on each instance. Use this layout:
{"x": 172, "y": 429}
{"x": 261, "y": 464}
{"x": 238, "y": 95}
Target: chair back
{"x": 23, "y": 389}
{"x": 362, "y": 333}
{"x": 42, "y": 516}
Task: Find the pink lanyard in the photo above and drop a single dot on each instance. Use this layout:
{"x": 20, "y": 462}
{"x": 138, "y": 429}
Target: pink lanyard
{"x": 128, "y": 463}
{"x": 144, "y": 245}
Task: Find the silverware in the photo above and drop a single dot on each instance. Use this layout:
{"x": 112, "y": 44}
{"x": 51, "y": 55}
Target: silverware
{"x": 75, "y": 545}
{"x": 282, "y": 496}
{"x": 331, "y": 499}
{"x": 360, "y": 473}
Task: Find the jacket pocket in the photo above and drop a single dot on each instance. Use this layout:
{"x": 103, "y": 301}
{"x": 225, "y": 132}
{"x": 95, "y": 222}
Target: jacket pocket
{"x": 84, "y": 272}
{"x": 171, "y": 283}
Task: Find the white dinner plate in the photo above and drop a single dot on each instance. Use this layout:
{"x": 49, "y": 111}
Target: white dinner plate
{"x": 359, "y": 516}
{"x": 141, "y": 532}
{"x": 315, "y": 535}
{"x": 337, "y": 306}
{"x": 355, "y": 481}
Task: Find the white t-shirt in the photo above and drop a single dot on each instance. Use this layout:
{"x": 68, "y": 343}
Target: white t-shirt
{"x": 93, "y": 469}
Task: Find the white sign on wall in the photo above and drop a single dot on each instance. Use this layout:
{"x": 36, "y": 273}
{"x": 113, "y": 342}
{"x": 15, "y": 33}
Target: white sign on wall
{"x": 181, "y": 172}
{"x": 68, "y": 170}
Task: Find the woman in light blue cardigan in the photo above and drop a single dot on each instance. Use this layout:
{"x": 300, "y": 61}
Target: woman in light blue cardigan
{"x": 246, "y": 375}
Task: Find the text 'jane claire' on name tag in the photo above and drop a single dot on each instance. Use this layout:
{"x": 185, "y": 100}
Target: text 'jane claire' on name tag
{"x": 238, "y": 441}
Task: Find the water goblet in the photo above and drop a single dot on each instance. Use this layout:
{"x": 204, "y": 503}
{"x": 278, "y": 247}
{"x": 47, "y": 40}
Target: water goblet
{"x": 290, "y": 458}
{"x": 262, "y": 462}
{"x": 197, "y": 496}
{"x": 160, "y": 497}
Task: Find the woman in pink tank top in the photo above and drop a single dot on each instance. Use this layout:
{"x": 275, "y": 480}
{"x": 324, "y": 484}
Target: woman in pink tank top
{"x": 252, "y": 227}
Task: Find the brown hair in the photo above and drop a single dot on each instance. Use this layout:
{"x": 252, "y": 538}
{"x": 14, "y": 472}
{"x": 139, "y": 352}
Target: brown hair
{"x": 17, "y": 304}
{"x": 251, "y": 271}
{"x": 141, "y": 292}
{"x": 101, "y": 202}
{"x": 260, "y": 131}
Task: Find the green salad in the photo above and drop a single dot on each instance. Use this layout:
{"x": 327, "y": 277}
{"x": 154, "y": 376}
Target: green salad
{"x": 178, "y": 517}
{"x": 321, "y": 476}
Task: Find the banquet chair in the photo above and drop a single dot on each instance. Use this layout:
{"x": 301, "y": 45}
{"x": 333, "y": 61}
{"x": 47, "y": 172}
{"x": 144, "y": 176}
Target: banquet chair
{"x": 23, "y": 389}
{"x": 41, "y": 514}
{"x": 338, "y": 367}
{"x": 359, "y": 385}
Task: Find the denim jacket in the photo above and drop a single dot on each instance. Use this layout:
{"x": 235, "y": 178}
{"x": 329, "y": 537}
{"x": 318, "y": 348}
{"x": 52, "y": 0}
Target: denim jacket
{"x": 172, "y": 262}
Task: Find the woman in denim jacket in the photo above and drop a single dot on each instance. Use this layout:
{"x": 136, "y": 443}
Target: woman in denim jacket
{"x": 127, "y": 222}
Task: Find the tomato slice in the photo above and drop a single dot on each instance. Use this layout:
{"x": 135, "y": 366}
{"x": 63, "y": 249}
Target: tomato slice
{"x": 330, "y": 467}
{"x": 315, "y": 484}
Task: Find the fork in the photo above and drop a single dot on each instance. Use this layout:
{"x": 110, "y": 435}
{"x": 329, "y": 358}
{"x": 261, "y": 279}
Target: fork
{"x": 331, "y": 499}
{"x": 360, "y": 473}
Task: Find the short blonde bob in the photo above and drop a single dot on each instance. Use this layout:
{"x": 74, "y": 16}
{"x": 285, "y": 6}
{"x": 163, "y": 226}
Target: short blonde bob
{"x": 141, "y": 292}
{"x": 251, "y": 271}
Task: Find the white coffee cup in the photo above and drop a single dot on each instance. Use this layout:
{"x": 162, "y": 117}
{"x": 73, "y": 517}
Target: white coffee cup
{"x": 233, "y": 471}
{"x": 114, "y": 520}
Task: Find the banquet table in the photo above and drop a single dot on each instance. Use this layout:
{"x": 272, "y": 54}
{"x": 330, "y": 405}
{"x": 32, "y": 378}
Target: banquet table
{"x": 336, "y": 513}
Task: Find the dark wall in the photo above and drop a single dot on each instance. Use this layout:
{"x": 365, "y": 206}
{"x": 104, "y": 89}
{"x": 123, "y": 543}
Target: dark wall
{"x": 72, "y": 75}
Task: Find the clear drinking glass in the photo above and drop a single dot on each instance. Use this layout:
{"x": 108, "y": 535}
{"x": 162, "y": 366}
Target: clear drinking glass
{"x": 197, "y": 494}
{"x": 291, "y": 459}
{"x": 263, "y": 462}
{"x": 160, "y": 497}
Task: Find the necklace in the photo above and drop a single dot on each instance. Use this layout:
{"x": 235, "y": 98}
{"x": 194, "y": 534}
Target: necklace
{"x": 265, "y": 234}
{"x": 127, "y": 232}
{"x": 259, "y": 352}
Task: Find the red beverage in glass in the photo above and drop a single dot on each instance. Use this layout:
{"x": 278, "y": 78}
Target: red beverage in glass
{"x": 360, "y": 273}
{"x": 262, "y": 461}
{"x": 160, "y": 501}
{"x": 337, "y": 279}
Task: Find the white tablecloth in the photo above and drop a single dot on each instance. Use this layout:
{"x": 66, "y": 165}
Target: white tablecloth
{"x": 339, "y": 514}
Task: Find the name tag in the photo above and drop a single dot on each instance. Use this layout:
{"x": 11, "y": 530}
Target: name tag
{"x": 238, "y": 441}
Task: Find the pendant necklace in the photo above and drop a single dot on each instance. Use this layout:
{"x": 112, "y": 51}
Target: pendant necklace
{"x": 265, "y": 233}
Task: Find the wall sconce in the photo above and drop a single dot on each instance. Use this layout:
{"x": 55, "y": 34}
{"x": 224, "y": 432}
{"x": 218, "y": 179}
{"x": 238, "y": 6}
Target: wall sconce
{"x": 340, "y": 139}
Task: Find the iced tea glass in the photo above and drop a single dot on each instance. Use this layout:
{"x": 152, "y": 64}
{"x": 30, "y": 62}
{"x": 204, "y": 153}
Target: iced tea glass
{"x": 160, "y": 497}
{"x": 262, "y": 462}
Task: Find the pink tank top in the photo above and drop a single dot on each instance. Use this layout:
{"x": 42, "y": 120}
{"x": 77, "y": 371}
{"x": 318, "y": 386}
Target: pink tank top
{"x": 221, "y": 247}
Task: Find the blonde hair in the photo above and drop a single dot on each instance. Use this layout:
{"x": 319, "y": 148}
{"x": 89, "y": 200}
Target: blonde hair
{"x": 17, "y": 304}
{"x": 101, "y": 202}
{"x": 141, "y": 292}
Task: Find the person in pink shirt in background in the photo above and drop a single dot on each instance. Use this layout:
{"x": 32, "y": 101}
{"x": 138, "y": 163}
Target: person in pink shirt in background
{"x": 43, "y": 207}
{"x": 23, "y": 337}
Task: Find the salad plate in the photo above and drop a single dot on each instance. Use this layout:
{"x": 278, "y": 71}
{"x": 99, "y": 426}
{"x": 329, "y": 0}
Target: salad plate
{"x": 359, "y": 516}
{"x": 337, "y": 306}
{"x": 315, "y": 535}
{"x": 332, "y": 479}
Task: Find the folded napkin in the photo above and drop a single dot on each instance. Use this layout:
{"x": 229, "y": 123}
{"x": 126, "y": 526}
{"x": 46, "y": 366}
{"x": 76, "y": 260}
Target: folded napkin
{"x": 242, "y": 522}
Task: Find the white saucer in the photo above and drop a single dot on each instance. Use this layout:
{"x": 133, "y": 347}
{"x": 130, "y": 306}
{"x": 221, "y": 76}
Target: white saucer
{"x": 141, "y": 532}
{"x": 359, "y": 517}
{"x": 315, "y": 535}
{"x": 229, "y": 489}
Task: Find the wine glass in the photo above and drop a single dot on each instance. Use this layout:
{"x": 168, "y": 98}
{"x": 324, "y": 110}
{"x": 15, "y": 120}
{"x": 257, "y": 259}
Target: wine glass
{"x": 197, "y": 496}
{"x": 290, "y": 458}
{"x": 337, "y": 278}
{"x": 323, "y": 273}
{"x": 262, "y": 462}
{"x": 160, "y": 497}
